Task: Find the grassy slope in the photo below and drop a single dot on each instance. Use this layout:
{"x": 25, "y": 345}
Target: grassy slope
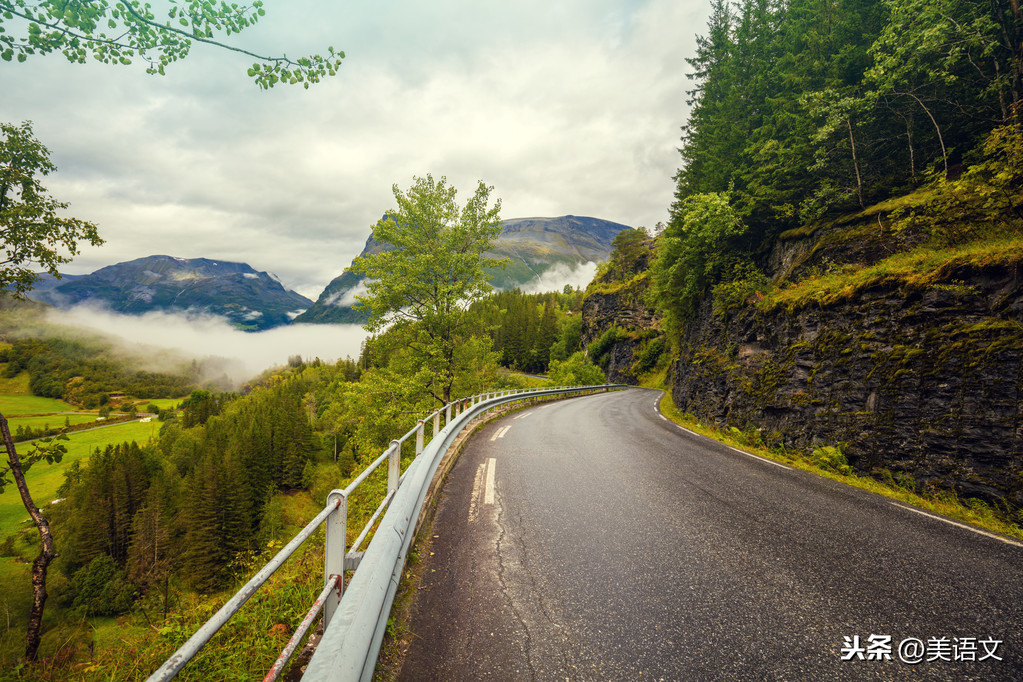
{"x": 916, "y": 269}
{"x": 162, "y": 403}
{"x": 14, "y": 386}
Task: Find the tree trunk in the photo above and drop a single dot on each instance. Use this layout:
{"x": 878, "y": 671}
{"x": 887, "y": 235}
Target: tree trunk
{"x": 856, "y": 165}
{"x": 46, "y": 553}
{"x": 937, "y": 128}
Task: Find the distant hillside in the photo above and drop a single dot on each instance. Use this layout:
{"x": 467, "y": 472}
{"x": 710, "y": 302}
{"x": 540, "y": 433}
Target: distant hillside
{"x": 250, "y": 299}
{"x": 531, "y": 246}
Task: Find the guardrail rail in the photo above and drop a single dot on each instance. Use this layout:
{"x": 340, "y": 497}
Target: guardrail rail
{"x": 355, "y": 617}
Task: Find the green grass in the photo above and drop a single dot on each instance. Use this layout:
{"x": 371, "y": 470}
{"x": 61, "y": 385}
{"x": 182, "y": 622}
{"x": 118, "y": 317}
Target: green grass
{"x": 54, "y": 420}
{"x": 12, "y": 405}
{"x": 917, "y": 269}
{"x": 44, "y": 479}
{"x": 945, "y": 504}
{"x": 162, "y": 403}
{"x": 15, "y": 386}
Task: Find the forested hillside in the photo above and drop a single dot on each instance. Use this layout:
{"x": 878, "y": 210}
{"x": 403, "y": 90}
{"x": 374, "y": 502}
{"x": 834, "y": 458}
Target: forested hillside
{"x": 86, "y": 373}
{"x": 810, "y": 108}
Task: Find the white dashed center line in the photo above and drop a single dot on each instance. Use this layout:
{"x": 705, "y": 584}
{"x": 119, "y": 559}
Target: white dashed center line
{"x": 488, "y": 493}
{"x": 483, "y": 486}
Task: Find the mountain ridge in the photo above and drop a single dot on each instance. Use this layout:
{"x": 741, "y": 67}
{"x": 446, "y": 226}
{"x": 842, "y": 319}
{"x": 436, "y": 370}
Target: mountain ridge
{"x": 249, "y": 299}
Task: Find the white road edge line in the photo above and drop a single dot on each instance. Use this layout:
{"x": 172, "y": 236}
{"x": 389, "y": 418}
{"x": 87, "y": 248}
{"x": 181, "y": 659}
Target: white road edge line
{"x": 741, "y": 452}
{"x": 488, "y": 495}
{"x": 499, "y": 433}
{"x": 960, "y": 525}
{"x": 762, "y": 459}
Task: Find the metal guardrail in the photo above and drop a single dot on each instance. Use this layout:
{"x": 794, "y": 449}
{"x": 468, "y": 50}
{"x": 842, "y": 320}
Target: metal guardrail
{"x": 355, "y": 618}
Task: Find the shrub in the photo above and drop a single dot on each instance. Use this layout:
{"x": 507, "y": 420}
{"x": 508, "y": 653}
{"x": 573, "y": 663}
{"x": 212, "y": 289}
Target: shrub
{"x": 600, "y": 349}
{"x": 747, "y": 280}
{"x": 830, "y": 458}
{"x": 650, "y": 355}
{"x": 576, "y": 371}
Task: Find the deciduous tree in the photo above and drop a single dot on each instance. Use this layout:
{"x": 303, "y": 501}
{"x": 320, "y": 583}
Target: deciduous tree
{"x": 32, "y": 231}
{"x": 433, "y": 271}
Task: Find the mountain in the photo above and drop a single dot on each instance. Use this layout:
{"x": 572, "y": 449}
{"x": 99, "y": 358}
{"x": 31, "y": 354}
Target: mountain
{"x": 251, "y": 300}
{"x": 532, "y": 246}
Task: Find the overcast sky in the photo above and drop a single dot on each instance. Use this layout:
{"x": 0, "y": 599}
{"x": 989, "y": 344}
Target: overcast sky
{"x": 564, "y": 107}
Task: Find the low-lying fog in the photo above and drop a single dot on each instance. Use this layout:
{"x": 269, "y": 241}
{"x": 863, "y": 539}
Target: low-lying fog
{"x": 205, "y": 336}
{"x": 163, "y": 340}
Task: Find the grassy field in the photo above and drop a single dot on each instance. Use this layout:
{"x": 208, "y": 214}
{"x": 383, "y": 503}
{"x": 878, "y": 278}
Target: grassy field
{"x": 162, "y": 403}
{"x": 13, "y": 405}
{"x": 54, "y": 420}
{"x": 44, "y": 479}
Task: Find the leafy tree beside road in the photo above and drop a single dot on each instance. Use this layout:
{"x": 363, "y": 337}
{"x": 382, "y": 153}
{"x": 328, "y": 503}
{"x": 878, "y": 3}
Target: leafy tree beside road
{"x": 426, "y": 282}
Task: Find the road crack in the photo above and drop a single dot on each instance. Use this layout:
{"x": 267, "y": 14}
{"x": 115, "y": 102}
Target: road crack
{"x": 502, "y": 581}
{"x": 559, "y": 636}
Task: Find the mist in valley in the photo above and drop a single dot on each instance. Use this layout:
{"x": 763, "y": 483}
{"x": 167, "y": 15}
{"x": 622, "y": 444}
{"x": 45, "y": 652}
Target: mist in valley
{"x": 161, "y": 341}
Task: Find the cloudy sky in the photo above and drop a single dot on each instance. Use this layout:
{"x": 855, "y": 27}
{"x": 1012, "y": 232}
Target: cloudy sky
{"x": 570, "y": 107}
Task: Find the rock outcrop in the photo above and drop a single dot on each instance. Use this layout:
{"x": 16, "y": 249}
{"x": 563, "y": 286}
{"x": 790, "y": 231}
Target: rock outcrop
{"x": 616, "y": 304}
{"x": 921, "y": 382}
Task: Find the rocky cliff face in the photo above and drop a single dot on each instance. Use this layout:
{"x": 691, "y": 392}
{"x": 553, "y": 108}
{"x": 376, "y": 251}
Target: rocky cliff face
{"x": 926, "y": 383}
{"x": 625, "y": 309}
{"x": 616, "y": 300}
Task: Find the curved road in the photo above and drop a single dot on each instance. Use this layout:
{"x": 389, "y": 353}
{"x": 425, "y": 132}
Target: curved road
{"x": 593, "y": 539}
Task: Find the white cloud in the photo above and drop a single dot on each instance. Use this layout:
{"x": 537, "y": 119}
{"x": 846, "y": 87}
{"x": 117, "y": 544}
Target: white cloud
{"x": 349, "y": 297}
{"x": 556, "y": 277}
{"x": 566, "y": 108}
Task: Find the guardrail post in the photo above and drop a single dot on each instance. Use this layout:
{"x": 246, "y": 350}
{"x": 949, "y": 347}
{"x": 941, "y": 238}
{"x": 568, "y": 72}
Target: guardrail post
{"x": 420, "y": 435}
{"x": 436, "y": 424}
{"x": 394, "y": 466}
{"x": 334, "y": 551}
{"x": 447, "y": 414}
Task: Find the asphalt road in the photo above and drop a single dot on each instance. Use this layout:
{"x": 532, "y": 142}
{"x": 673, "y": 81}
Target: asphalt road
{"x": 611, "y": 544}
